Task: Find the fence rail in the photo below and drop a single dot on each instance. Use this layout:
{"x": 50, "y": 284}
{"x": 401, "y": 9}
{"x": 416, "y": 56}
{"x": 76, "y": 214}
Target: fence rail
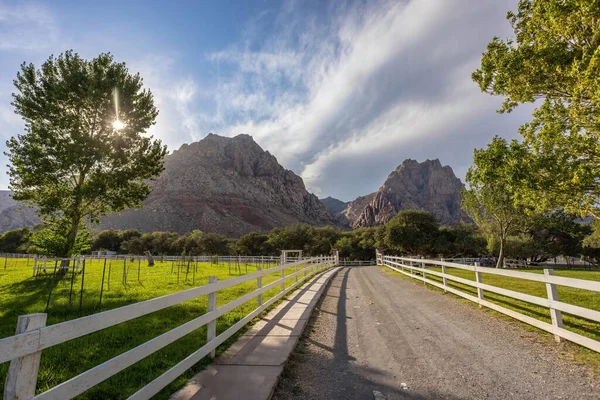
{"x": 356, "y": 263}
{"x": 418, "y": 269}
{"x": 24, "y": 349}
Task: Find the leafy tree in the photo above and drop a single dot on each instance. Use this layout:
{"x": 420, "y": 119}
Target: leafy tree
{"x": 494, "y": 179}
{"x": 461, "y": 241}
{"x": 52, "y": 239}
{"x": 413, "y": 232}
{"x": 108, "y": 240}
{"x": 553, "y": 60}
{"x": 129, "y": 234}
{"x": 559, "y": 234}
{"x": 293, "y": 237}
{"x": 14, "y": 241}
{"x": 358, "y": 244}
{"x": 71, "y": 161}
{"x": 323, "y": 240}
{"x": 213, "y": 243}
{"x": 254, "y": 243}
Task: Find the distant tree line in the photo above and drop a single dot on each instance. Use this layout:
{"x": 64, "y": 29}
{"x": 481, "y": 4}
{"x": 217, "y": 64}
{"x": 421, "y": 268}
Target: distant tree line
{"x": 411, "y": 232}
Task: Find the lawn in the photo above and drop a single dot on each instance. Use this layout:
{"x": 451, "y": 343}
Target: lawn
{"x": 579, "y": 297}
{"x": 21, "y": 293}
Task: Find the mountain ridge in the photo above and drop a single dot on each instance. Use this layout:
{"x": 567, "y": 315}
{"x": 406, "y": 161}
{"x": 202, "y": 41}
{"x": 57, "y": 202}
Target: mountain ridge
{"x": 412, "y": 185}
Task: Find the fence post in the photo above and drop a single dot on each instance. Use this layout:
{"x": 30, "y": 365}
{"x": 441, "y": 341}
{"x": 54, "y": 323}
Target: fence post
{"x": 259, "y": 286}
{"x": 444, "y": 279}
{"x": 21, "y": 379}
{"x": 480, "y": 295}
{"x": 283, "y": 279}
{"x": 212, "y": 306}
{"x": 556, "y": 315}
{"x": 423, "y": 271}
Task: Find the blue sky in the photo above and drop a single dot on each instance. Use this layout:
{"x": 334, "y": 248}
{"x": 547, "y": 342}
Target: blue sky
{"x": 339, "y": 91}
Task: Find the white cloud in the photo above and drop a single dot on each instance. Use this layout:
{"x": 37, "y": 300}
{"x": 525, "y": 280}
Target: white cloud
{"x": 27, "y": 26}
{"x": 174, "y": 96}
{"x": 341, "y": 97}
{"x": 368, "y": 85}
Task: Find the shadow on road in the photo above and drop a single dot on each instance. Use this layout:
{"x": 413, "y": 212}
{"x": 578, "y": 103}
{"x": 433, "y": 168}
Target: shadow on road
{"x": 317, "y": 370}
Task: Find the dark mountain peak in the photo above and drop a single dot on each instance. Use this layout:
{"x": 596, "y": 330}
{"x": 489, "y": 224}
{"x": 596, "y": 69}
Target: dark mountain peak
{"x": 333, "y": 205}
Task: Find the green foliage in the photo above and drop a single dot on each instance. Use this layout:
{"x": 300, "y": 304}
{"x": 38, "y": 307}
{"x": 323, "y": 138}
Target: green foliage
{"x": 559, "y": 234}
{"x": 254, "y": 243}
{"x": 108, "y": 240}
{"x": 413, "y": 232}
{"x": 14, "y": 241}
{"x": 293, "y": 237}
{"x": 555, "y": 60}
{"x": 70, "y": 162}
{"x": 493, "y": 183}
{"x": 358, "y": 244}
{"x": 462, "y": 240}
{"x": 52, "y": 239}
{"x": 323, "y": 240}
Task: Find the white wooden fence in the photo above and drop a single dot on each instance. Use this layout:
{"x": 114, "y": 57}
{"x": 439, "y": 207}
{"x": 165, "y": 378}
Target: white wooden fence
{"x": 418, "y": 269}
{"x": 356, "y": 263}
{"x": 24, "y": 349}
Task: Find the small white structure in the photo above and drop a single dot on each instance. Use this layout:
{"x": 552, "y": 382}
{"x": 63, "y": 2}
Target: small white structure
{"x": 104, "y": 253}
{"x": 285, "y": 258}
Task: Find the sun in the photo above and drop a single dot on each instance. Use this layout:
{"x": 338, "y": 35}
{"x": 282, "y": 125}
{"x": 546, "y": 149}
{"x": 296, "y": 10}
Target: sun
{"x": 118, "y": 124}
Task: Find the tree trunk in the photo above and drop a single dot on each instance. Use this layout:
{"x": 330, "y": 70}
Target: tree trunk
{"x": 500, "y": 262}
{"x": 72, "y": 236}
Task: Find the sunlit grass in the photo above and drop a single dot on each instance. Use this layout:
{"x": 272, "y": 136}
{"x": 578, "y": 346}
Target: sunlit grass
{"x": 21, "y": 293}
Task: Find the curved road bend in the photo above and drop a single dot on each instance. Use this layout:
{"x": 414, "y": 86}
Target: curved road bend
{"x": 377, "y": 332}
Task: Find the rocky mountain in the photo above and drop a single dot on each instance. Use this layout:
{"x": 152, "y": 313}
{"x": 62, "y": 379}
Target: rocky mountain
{"x": 333, "y": 205}
{"x": 425, "y": 186}
{"x": 225, "y": 185}
{"x": 14, "y": 215}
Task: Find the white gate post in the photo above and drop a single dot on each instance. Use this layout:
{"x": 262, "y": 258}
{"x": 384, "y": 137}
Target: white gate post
{"x": 556, "y": 315}
{"x": 423, "y": 268}
{"x": 259, "y": 286}
{"x": 444, "y": 279}
{"x": 21, "y": 379}
{"x": 212, "y": 306}
{"x": 480, "y": 295}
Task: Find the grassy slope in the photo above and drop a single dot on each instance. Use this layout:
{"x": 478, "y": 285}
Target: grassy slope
{"x": 21, "y": 294}
{"x": 583, "y": 298}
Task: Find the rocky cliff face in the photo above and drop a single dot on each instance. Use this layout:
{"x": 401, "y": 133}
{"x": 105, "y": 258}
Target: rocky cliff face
{"x": 420, "y": 186}
{"x": 225, "y": 185}
{"x": 14, "y": 215}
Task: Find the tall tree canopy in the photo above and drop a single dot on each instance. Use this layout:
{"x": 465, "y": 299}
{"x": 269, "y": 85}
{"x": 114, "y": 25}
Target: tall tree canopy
{"x": 554, "y": 59}
{"x": 497, "y": 174}
{"x": 84, "y": 152}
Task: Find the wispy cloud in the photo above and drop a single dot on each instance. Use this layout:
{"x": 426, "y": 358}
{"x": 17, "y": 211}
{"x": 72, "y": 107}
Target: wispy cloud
{"x": 365, "y": 87}
{"x": 27, "y": 26}
{"x": 174, "y": 97}
{"x": 341, "y": 94}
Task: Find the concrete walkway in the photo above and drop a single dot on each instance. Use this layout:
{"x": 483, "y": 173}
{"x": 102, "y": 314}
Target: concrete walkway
{"x": 250, "y": 368}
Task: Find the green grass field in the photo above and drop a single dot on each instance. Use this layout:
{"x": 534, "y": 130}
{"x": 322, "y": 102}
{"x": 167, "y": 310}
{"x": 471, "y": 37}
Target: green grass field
{"x": 21, "y": 293}
{"x": 579, "y": 297}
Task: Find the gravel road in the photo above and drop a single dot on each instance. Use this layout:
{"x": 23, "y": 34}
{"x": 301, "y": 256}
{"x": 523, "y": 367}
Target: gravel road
{"x": 376, "y": 334}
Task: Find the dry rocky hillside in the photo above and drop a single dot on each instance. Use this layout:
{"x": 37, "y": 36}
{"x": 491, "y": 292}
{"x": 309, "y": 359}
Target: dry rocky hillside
{"x": 14, "y": 215}
{"x": 232, "y": 186}
{"x": 425, "y": 186}
{"x": 225, "y": 185}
